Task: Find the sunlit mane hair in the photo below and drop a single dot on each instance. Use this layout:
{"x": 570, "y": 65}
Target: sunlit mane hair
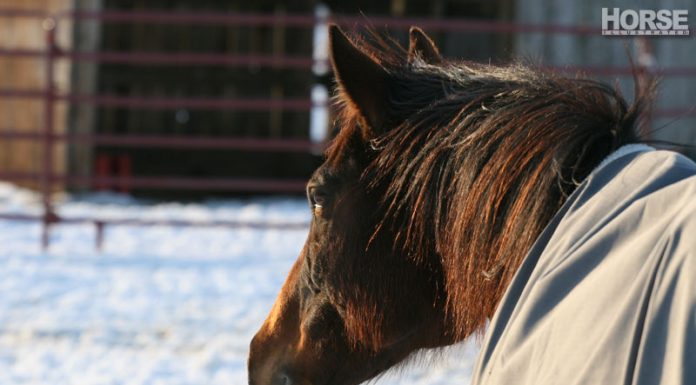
{"x": 476, "y": 159}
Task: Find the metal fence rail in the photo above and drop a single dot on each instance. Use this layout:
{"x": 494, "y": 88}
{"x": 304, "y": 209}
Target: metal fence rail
{"x": 48, "y": 95}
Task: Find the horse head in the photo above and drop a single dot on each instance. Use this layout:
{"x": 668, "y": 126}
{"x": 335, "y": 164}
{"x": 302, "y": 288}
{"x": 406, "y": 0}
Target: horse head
{"x": 343, "y": 314}
{"x": 416, "y": 227}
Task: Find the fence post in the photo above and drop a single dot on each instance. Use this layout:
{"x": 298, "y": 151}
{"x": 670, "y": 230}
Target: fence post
{"x": 49, "y": 26}
{"x": 98, "y": 235}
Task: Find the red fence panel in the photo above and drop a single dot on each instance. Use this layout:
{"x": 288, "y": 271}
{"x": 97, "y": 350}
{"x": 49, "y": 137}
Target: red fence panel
{"x": 49, "y": 138}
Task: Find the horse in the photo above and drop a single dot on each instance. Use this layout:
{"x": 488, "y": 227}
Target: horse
{"x": 441, "y": 178}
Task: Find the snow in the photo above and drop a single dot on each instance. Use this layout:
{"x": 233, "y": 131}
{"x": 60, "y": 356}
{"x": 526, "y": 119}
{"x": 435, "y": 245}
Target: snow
{"x": 158, "y": 305}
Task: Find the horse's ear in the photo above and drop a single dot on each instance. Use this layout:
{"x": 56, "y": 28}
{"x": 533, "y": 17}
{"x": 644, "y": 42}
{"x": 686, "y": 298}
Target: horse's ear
{"x": 421, "y": 45}
{"x": 362, "y": 80}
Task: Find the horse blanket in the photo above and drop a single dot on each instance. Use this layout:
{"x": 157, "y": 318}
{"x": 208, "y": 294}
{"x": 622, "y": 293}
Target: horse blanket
{"x": 607, "y": 295}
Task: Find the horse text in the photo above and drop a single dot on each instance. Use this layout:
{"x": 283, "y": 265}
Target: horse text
{"x": 645, "y": 22}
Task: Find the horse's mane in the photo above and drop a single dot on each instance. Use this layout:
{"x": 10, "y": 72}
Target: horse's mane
{"x": 479, "y": 159}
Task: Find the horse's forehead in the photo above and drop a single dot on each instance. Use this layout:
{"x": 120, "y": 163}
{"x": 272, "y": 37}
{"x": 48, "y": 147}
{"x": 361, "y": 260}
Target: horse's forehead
{"x": 338, "y": 170}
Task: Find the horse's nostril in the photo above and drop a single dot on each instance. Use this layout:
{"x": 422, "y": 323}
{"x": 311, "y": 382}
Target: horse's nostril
{"x": 283, "y": 378}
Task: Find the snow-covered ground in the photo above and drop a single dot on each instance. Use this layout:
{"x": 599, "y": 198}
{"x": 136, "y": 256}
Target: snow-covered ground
{"x": 158, "y": 305}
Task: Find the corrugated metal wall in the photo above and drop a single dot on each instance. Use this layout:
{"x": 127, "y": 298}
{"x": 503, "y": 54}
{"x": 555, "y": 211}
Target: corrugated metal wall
{"x": 597, "y": 50}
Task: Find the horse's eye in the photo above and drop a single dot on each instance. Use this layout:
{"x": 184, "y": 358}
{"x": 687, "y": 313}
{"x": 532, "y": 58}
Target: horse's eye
{"x": 317, "y": 198}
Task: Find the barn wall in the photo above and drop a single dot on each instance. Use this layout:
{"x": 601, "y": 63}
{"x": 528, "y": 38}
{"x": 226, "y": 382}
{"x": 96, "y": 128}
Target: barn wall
{"x": 29, "y": 73}
{"x": 675, "y": 92}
